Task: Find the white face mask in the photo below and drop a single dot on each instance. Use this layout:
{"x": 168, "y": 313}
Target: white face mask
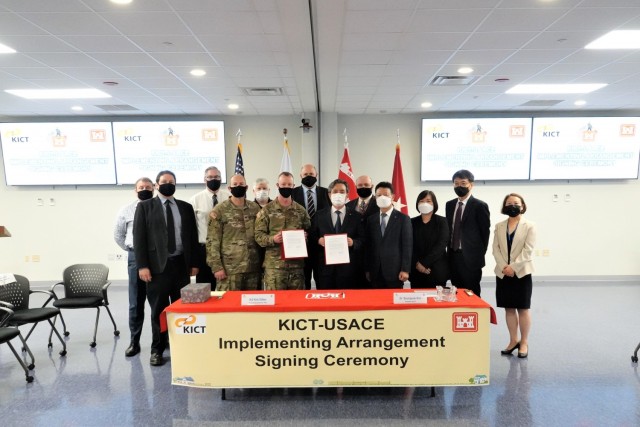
{"x": 338, "y": 199}
{"x": 383, "y": 201}
{"x": 262, "y": 195}
{"x": 425, "y": 208}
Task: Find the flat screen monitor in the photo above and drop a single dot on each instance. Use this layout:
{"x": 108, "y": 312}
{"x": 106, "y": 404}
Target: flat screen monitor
{"x": 185, "y": 148}
{"x": 585, "y": 148}
{"x": 491, "y": 148}
{"x": 78, "y": 153}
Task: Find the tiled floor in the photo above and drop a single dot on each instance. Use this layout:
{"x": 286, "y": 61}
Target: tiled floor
{"x": 579, "y": 373}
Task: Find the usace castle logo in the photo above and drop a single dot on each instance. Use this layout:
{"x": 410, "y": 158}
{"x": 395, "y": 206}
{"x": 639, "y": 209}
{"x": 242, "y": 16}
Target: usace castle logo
{"x": 465, "y": 322}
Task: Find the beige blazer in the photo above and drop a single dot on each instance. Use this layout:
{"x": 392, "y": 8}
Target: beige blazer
{"x": 521, "y": 248}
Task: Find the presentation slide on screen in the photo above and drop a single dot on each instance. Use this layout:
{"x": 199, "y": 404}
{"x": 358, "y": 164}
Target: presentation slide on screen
{"x": 491, "y": 148}
{"x": 585, "y": 148}
{"x": 185, "y": 148}
{"x": 57, "y": 153}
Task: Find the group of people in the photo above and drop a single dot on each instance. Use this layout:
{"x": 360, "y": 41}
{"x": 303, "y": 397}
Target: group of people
{"x": 223, "y": 238}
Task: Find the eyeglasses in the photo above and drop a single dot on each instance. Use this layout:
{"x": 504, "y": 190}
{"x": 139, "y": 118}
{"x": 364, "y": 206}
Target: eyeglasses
{"x": 209, "y": 178}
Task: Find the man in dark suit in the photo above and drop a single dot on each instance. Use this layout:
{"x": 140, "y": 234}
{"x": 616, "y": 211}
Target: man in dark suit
{"x": 469, "y": 226}
{"x": 366, "y": 206}
{"x": 337, "y": 219}
{"x": 165, "y": 241}
{"x": 389, "y": 242}
{"x": 314, "y": 198}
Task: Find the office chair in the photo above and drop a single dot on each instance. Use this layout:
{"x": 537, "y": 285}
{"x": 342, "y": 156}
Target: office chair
{"x": 17, "y": 294}
{"x": 85, "y": 286}
{"x": 9, "y": 333}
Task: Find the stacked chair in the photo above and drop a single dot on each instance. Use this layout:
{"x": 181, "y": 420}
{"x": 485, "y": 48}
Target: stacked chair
{"x": 8, "y": 333}
{"x": 17, "y": 294}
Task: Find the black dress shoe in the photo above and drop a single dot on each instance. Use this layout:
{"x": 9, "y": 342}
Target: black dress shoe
{"x": 156, "y": 359}
{"x": 132, "y": 350}
{"x": 510, "y": 350}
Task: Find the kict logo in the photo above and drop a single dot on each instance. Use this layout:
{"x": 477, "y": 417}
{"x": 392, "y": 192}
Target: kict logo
{"x": 465, "y": 322}
{"x": 325, "y": 295}
{"x": 191, "y": 324}
{"x": 440, "y": 135}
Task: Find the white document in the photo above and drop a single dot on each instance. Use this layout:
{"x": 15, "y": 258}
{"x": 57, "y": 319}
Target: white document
{"x": 294, "y": 245}
{"x": 336, "y": 249}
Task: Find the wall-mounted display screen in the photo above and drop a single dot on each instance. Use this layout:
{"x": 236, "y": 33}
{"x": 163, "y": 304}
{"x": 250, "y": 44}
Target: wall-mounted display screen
{"x": 185, "y": 148}
{"x": 491, "y": 148}
{"x": 58, "y": 153}
{"x": 585, "y": 148}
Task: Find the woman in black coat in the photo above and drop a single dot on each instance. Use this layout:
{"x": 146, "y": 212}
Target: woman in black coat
{"x": 429, "y": 266}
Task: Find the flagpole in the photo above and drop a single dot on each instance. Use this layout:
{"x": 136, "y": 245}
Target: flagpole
{"x": 239, "y": 168}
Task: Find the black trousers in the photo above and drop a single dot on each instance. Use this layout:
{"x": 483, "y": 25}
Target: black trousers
{"x": 137, "y": 299}
{"x": 205, "y": 275}
{"x": 462, "y": 276}
{"x": 161, "y": 290}
{"x": 310, "y": 267}
{"x": 378, "y": 282}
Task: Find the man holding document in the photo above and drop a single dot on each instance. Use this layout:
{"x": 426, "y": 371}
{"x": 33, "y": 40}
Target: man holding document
{"x": 339, "y": 231}
{"x": 281, "y": 229}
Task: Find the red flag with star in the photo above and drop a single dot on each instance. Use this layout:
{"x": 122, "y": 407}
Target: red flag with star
{"x": 397, "y": 180}
{"x": 345, "y": 173}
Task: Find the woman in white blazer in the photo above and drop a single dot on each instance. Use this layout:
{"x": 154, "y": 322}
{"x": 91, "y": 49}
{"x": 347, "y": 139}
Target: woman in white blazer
{"x": 513, "y": 243}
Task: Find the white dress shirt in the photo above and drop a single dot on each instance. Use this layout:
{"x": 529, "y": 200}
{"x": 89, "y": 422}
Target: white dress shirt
{"x": 202, "y": 203}
{"x": 123, "y": 228}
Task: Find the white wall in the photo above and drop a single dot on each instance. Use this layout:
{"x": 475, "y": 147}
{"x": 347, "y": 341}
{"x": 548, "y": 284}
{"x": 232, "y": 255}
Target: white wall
{"x": 79, "y": 228}
{"x": 594, "y": 234}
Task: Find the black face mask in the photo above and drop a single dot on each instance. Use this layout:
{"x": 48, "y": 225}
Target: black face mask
{"x": 238, "y": 191}
{"x": 363, "y": 192}
{"x": 285, "y": 192}
{"x": 461, "y": 191}
{"x": 167, "y": 190}
{"x": 145, "y": 194}
{"x": 214, "y": 184}
{"x": 511, "y": 210}
{"x": 309, "y": 181}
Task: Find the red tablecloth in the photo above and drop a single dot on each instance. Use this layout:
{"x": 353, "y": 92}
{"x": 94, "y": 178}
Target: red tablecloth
{"x": 291, "y": 301}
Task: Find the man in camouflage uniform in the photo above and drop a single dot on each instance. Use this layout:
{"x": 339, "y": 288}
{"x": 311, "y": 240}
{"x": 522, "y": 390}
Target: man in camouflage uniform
{"x": 232, "y": 252}
{"x": 281, "y": 214}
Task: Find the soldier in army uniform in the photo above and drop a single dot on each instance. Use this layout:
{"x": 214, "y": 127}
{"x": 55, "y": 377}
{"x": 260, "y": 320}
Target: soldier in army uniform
{"x": 281, "y": 214}
{"x": 232, "y": 252}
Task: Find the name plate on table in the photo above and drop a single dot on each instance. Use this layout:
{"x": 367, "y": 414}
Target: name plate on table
{"x": 258, "y": 299}
{"x": 410, "y": 298}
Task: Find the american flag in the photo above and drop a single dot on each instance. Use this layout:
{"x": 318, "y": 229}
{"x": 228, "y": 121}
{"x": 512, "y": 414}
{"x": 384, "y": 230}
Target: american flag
{"x": 239, "y": 163}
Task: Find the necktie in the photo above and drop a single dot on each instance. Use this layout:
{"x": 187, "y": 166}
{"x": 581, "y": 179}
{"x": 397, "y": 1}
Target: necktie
{"x": 215, "y": 200}
{"x": 383, "y": 223}
{"x": 338, "y": 222}
{"x": 311, "y": 207}
{"x": 457, "y": 225}
{"x": 363, "y": 205}
{"x": 171, "y": 230}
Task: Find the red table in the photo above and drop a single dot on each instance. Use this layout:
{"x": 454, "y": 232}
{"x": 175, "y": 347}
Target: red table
{"x": 330, "y": 338}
